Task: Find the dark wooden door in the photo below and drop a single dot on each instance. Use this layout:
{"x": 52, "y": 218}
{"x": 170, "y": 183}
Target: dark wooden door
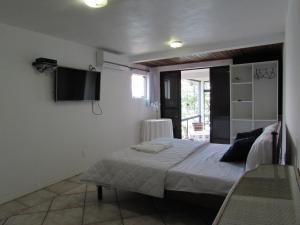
{"x": 220, "y": 105}
{"x": 170, "y": 96}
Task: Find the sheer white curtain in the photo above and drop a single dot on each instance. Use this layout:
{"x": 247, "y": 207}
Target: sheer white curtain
{"x": 154, "y": 90}
{"x": 153, "y": 86}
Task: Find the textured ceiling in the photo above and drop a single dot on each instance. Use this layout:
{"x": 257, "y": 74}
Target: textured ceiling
{"x": 136, "y": 27}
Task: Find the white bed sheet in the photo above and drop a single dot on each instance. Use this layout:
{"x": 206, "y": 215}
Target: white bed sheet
{"x": 202, "y": 172}
{"x": 141, "y": 172}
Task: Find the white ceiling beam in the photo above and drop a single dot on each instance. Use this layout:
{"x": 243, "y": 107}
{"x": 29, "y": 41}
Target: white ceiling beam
{"x": 215, "y": 47}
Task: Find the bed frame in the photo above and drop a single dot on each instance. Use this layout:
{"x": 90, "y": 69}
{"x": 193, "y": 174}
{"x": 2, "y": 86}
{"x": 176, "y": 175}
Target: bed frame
{"x": 277, "y": 157}
{"x": 213, "y": 201}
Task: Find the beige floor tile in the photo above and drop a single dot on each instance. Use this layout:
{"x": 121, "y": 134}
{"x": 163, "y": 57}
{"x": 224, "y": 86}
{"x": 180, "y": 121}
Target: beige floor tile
{"x": 91, "y": 187}
{"x": 68, "y": 201}
{"x": 75, "y": 179}
{"x": 62, "y": 187}
{"x": 144, "y": 220}
{"x": 64, "y": 217}
{"x": 28, "y": 219}
{"x": 137, "y": 207}
{"x": 43, "y": 207}
{"x": 92, "y": 198}
{"x": 10, "y": 208}
{"x": 108, "y": 196}
{"x": 101, "y": 212}
{"x": 36, "y": 198}
{"x": 114, "y": 222}
{"x": 77, "y": 190}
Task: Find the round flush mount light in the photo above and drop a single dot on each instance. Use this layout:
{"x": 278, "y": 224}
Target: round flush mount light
{"x": 96, "y": 3}
{"x": 176, "y": 44}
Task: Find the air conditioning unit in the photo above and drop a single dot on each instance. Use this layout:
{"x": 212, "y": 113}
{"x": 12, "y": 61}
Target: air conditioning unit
{"x": 112, "y": 60}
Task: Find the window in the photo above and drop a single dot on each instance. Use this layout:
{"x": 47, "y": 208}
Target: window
{"x": 139, "y": 86}
{"x": 167, "y": 89}
{"x": 206, "y": 86}
{"x": 190, "y": 98}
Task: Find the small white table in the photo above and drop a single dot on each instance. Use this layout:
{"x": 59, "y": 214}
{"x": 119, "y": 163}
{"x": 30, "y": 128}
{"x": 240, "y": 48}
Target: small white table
{"x": 156, "y": 128}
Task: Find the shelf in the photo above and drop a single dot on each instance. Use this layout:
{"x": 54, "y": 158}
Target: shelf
{"x": 241, "y": 110}
{"x": 263, "y": 123}
{"x": 237, "y": 101}
{"x": 265, "y": 91}
{"x": 241, "y": 74}
{"x": 240, "y": 125}
{"x": 241, "y": 83}
{"x": 254, "y": 102}
{"x": 241, "y": 92}
{"x": 264, "y": 120}
{"x": 243, "y": 120}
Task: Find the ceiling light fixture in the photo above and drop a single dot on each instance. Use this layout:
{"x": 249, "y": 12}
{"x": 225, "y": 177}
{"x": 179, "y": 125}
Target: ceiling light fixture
{"x": 96, "y": 3}
{"x": 176, "y": 44}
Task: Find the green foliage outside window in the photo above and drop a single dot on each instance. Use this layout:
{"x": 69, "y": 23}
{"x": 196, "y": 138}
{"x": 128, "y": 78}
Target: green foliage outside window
{"x": 189, "y": 98}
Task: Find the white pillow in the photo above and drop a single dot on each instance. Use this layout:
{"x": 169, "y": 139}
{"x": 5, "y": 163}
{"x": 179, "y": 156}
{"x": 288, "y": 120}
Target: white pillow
{"x": 261, "y": 151}
{"x": 269, "y": 129}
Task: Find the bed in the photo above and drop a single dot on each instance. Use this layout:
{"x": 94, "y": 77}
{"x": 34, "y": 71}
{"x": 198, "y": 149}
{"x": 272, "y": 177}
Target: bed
{"x": 187, "y": 167}
{"x": 203, "y": 172}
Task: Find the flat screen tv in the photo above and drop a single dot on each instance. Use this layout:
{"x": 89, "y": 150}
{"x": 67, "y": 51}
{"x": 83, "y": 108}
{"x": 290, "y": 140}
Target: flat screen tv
{"x": 77, "y": 85}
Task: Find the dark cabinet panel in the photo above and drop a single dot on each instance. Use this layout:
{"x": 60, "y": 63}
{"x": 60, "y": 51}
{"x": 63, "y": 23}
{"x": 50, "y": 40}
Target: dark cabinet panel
{"x": 220, "y": 105}
{"x": 170, "y": 94}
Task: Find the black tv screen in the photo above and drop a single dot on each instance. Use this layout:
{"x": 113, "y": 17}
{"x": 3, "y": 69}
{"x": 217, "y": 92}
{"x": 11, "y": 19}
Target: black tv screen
{"x": 77, "y": 85}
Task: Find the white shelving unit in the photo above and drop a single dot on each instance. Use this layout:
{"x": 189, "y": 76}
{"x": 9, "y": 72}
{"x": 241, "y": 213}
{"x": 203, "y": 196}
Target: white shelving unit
{"x": 254, "y": 96}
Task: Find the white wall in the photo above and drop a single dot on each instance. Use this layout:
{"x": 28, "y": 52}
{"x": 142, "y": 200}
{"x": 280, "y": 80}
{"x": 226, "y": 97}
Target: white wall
{"x": 292, "y": 78}
{"x": 42, "y": 142}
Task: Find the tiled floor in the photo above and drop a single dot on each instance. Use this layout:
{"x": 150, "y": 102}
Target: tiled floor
{"x": 71, "y": 202}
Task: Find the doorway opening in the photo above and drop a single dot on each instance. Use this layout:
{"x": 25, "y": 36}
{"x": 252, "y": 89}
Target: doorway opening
{"x": 195, "y": 104}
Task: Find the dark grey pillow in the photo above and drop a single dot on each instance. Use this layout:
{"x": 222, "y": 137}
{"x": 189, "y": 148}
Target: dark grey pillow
{"x": 253, "y": 133}
{"x": 239, "y": 151}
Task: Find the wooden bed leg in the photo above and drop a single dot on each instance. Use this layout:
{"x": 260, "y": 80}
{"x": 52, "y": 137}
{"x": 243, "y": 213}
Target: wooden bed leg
{"x": 99, "y": 190}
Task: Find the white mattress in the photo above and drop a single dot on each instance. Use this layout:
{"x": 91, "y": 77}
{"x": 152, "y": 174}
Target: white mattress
{"x": 202, "y": 172}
